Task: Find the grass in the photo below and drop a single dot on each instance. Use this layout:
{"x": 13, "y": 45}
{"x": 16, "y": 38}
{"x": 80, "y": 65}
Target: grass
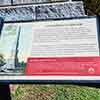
{"x": 56, "y": 92}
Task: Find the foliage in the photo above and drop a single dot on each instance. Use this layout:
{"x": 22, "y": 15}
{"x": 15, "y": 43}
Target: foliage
{"x": 92, "y": 7}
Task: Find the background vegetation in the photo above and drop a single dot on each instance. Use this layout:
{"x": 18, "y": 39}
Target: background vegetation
{"x": 92, "y": 7}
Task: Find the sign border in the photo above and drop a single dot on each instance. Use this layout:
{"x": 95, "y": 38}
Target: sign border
{"x": 67, "y": 79}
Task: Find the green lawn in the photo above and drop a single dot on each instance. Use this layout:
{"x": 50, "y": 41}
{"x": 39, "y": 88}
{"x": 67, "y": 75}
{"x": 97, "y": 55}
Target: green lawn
{"x": 56, "y": 92}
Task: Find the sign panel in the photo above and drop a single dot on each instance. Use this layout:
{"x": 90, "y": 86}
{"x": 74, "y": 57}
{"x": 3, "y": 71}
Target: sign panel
{"x": 65, "y": 38}
{"x": 51, "y": 47}
{"x": 65, "y": 47}
{"x": 64, "y": 66}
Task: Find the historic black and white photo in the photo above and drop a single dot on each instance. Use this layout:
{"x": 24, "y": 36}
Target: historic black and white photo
{"x": 14, "y": 54}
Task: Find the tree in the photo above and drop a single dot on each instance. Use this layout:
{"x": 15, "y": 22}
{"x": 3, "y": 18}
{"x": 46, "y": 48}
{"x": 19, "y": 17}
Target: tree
{"x": 92, "y": 7}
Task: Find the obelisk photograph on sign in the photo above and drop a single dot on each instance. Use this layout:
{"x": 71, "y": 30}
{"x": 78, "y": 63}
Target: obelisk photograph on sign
{"x": 15, "y": 51}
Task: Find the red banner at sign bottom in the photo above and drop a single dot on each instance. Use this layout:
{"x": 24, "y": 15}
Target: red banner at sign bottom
{"x": 68, "y": 66}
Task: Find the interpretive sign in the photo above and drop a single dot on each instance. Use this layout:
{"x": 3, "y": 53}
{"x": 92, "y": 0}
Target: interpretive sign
{"x": 50, "y": 47}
